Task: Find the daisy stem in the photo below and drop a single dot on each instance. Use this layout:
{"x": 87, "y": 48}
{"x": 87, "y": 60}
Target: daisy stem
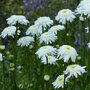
{"x": 35, "y": 62}
{"x": 48, "y": 71}
{"x": 15, "y": 58}
{"x": 86, "y": 48}
{"x": 64, "y": 79}
{"x": 3, "y": 74}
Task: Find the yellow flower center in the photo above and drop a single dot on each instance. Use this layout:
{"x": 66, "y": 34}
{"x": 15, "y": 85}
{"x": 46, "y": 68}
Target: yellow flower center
{"x": 65, "y": 11}
{"x": 60, "y": 78}
{"x": 46, "y": 34}
{"x": 45, "y": 49}
{"x": 49, "y": 58}
{"x": 34, "y": 27}
{"x": 74, "y": 66}
{"x": 68, "y": 48}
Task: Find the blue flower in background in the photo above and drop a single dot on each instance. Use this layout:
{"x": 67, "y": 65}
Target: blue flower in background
{"x": 78, "y": 40}
{"x": 31, "y": 5}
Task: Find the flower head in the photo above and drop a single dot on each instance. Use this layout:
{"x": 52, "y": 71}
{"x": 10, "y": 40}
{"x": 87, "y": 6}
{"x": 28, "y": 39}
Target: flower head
{"x": 25, "y": 41}
{"x": 8, "y": 31}
{"x": 44, "y": 22}
{"x": 56, "y": 28}
{"x": 59, "y": 82}
{"x": 49, "y": 60}
{"x": 75, "y": 70}
{"x": 48, "y": 37}
{"x": 34, "y": 30}
{"x": 83, "y": 8}
{"x": 65, "y": 15}
{"x": 14, "y": 19}
{"x": 66, "y": 52}
{"x": 45, "y": 51}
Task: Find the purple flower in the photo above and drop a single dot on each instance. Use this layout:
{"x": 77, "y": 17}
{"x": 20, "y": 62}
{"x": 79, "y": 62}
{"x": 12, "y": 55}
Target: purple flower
{"x": 78, "y": 40}
{"x": 26, "y": 5}
{"x": 37, "y": 1}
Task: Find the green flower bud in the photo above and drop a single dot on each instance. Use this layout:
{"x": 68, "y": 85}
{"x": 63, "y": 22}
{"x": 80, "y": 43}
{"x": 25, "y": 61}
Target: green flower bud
{"x": 46, "y": 77}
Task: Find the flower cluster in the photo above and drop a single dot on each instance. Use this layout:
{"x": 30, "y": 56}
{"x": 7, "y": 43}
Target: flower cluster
{"x": 45, "y": 33}
{"x": 50, "y": 55}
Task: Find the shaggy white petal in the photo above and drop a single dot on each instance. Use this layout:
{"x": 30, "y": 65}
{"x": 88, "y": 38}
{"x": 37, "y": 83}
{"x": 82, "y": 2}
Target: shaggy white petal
{"x": 49, "y": 60}
{"x": 56, "y": 28}
{"x": 45, "y": 51}
{"x": 25, "y": 41}
{"x": 65, "y": 15}
{"x": 44, "y": 22}
{"x": 83, "y": 8}
{"x": 59, "y": 82}
{"x": 75, "y": 70}
{"x": 14, "y": 19}
{"x": 66, "y": 52}
{"x": 8, "y": 31}
{"x": 34, "y": 30}
{"x": 48, "y": 37}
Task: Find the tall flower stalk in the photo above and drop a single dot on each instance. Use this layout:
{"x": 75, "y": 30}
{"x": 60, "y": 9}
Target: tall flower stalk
{"x": 86, "y": 40}
{"x": 3, "y": 73}
{"x": 15, "y": 52}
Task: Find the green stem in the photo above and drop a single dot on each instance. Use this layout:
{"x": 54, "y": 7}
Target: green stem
{"x": 86, "y": 48}
{"x": 15, "y": 50}
{"x": 64, "y": 78}
{"x": 36, "y": 63}
{"x": 3, "y": 74}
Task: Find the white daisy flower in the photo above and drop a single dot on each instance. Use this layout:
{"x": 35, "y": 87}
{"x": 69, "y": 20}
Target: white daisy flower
{"x": 34, "y": 30}
{"x": 8, "y": 31}
{"x": 45, "y": 51}
{"x": 65, "y": 15}
{"x": 44, "y": 22}
{"x": 56, "y": 28}
{"x": 12, "y": 20}
{"x": 49, "y": 60}
{"x": 74, "y": 70}
{"x": 48, "y": 37}
{"x": 1, "y": 57}
{"x": 25, "y": 41}
{"x": 59, "y": 82}
{"x": 88, "y": 45}
{"x": 83, "y": 8}
{"x": 66, "y": 52}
